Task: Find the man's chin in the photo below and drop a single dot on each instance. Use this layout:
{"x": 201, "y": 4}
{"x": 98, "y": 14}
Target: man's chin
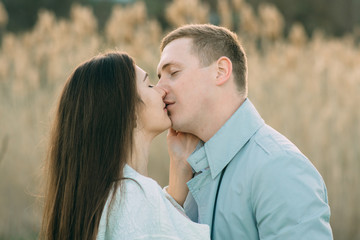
{"x": 174, "y": 126}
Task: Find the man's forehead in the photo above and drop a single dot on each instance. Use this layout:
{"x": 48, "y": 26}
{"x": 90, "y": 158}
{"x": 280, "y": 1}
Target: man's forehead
{"x": 166, "y": 64}
{"x": 167, "y": 61}
{"x": 176, "y": 53}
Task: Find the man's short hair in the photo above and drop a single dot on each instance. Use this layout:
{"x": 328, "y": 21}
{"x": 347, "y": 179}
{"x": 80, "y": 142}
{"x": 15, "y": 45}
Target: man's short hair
{"x": 211, "y": 42}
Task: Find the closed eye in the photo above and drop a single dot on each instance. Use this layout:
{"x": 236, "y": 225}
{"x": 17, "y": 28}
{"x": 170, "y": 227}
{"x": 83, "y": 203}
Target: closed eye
{"x": 151, "y": 86}
{"x": 174, "y": 73}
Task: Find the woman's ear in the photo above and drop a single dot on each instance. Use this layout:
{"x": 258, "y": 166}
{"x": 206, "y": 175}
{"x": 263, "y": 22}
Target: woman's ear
{"x": 224, "y": 70}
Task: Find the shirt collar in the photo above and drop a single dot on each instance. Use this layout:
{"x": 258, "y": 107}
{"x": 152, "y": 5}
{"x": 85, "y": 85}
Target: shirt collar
{"x": 228, "y": 140}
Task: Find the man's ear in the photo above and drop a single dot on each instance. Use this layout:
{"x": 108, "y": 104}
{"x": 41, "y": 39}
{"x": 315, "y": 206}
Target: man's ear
{"x": 224, "y": 70}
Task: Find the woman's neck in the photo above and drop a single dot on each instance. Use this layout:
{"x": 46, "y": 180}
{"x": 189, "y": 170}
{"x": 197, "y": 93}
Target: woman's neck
{"x": 140, "y": 152}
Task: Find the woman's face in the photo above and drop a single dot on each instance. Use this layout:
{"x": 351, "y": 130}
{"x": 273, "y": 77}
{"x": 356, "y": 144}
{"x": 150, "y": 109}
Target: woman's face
{"x": 153, "y": 116}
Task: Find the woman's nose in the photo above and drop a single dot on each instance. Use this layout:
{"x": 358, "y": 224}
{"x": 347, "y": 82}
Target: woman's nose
{"x": 160, "y": 90}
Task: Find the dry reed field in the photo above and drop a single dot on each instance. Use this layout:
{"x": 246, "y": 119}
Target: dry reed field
{"x": 308, "y": 88}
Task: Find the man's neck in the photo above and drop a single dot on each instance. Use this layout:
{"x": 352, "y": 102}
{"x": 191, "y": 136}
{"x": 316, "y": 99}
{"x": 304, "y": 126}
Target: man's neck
{"x": 218, "y": 117}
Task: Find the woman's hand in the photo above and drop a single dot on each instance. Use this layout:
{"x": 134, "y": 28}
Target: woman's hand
{"x": 180, "y": 146}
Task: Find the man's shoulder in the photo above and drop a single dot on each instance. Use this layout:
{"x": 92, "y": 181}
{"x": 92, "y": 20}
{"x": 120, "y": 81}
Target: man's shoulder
{"x": 266, "y": 147}
{"x": 274, "y": 144}
{"x": 272, "y": 153}
{"x": 271, "y": 157}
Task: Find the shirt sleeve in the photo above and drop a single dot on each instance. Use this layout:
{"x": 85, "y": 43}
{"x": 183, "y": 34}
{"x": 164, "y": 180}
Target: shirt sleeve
{"x": 174, "y": 202}
{"x": 289, "y": 200}
{"x": 191, "y": 208}
{"x": 176, "y": 224}
{"x": 146, "y": 213}
{"x": 170, "y": 221}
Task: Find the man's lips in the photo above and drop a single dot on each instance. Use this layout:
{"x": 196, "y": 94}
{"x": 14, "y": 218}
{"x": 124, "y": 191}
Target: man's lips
{"x": 168, "y": 104}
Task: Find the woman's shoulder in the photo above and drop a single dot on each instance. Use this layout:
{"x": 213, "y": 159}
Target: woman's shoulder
{"x": 131, "y": 210}
{"x": 137, "y": 194}
{"x": 135, "y": 183}
{"x": 140, "y": 208}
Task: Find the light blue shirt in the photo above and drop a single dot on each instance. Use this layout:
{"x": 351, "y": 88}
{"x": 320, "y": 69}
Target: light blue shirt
{"x": 269, "y": 190}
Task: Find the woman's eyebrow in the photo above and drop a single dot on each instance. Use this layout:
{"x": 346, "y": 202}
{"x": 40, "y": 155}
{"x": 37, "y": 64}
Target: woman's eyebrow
{"x": 146, "y": 75}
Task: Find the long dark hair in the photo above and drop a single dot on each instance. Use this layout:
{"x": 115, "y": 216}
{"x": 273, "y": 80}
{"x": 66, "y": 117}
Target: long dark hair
{"x": 91, "y": 139}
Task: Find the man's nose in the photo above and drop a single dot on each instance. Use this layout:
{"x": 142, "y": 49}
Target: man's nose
{"x": 160, "y": 83}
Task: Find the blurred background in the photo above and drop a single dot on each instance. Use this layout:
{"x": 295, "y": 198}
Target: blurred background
{"x": 304, "y": 78}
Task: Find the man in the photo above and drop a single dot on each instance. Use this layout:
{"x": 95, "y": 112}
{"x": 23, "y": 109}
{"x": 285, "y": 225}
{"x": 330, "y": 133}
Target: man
{"x": 250, "y": 181}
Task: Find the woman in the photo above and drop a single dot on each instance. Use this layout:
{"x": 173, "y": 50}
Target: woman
{"x": 107, "y": 116}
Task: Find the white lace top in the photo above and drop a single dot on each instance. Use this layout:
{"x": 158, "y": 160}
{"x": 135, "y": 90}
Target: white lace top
{"x": 144, "y": 211}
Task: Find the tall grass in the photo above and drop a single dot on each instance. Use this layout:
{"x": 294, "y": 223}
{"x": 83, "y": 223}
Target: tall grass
{"x": 308, "y": 88}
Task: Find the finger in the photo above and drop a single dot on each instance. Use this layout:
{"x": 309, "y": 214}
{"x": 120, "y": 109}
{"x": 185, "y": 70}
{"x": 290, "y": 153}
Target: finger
{"x": 171, "y": 132}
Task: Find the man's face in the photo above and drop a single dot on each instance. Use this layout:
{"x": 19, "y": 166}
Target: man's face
{"x": 186, "y": 84}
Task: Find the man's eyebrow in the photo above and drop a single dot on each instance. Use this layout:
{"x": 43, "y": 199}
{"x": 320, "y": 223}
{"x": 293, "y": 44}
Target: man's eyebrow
{"x": 146, "y": 75}
{"x": 166, "y": 66}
